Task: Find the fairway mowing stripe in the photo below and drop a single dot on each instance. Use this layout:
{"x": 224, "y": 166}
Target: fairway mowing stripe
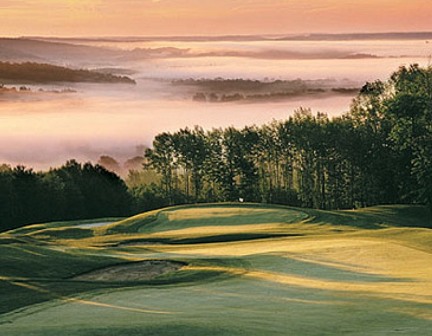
{"x": 265, "y": 297}
{"x": 415, "y": 312}
{"x": 10, "y": 279}
{"x": 404, "y": 291}
{"x": 87, "y": 302}
{"x": 408, "y": 291}
{"x": 34, "y": 288}
{"x": 315, "y": 302}
{"x": 107, "y": 305}
{"x": 334, "y": 264}
{"x": 21, "y": 248}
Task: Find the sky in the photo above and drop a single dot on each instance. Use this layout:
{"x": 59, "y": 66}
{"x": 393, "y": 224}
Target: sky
{"x": 210, "y": 17}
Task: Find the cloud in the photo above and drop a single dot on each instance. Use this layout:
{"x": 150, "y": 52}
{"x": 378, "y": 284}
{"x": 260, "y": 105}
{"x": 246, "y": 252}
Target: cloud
{"x": 149, "y": 17}
{"x": 12, "y": 4}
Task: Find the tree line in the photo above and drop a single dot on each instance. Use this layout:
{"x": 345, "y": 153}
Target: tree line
{"x": 379, "y": 152}
{"x": 73, "y": 191}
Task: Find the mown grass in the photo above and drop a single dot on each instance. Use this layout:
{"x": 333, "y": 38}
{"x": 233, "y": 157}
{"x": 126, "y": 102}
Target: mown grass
{"x": 250, "y": 270}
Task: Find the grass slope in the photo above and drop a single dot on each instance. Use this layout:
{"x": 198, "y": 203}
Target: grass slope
{"x": 249, "y": 270}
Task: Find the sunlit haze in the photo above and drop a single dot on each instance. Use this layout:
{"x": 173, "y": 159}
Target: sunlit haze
{"x": 208, "y": 17}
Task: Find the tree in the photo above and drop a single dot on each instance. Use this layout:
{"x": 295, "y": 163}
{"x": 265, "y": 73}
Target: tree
{"x": 191, "y": 151}
{"x": 8, "y": 199}
{"x": 409, "y": 108}
{"x": 110, "y": 164}
{"x": 161, "y": 158}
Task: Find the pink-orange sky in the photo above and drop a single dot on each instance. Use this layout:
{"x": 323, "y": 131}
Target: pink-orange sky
{"x": 210, "y": 17}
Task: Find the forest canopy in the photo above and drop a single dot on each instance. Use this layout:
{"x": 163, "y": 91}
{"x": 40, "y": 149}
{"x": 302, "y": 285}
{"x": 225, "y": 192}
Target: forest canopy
{"x": 73, "y": 191}
{"x": 47, "y": 73}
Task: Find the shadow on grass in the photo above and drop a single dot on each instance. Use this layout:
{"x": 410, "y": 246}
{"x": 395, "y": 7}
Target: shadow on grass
{"x": 19, "y": 293}
{"x": 374, "y": 218}
{"x": 225, "y": 238}
{"x": 283, "y": 264}
{"x": 166, "y": 329}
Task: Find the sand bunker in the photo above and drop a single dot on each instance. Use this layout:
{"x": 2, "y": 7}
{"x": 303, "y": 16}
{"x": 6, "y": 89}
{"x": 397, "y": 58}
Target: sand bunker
{"x": 137, "y": 271}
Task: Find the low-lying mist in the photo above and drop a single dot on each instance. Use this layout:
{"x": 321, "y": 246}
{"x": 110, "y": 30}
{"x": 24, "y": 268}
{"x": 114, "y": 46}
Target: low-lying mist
{"x": 84, "y": 126}
{"x": 54, "y": 122}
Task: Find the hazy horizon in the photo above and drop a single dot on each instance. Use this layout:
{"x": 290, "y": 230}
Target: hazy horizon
{"x": 263, "y": 35}
{"x": 192, "y": 17}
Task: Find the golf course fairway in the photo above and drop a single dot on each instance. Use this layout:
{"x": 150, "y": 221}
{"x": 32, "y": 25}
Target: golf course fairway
{"x": 222, "y": 269}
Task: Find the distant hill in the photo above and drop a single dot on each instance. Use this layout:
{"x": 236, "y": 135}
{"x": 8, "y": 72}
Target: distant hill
{"x": 276, "y": 37}
{"x": 19, "y": 50}
{"x": 11, "y": 54}
{"x": 359, "y": 36}
{"x": 185, "y": 38}
{"x": 46, "y": 73}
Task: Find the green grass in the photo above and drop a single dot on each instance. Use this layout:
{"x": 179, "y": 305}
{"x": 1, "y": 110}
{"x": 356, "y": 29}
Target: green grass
{"x": 251, "y": 270}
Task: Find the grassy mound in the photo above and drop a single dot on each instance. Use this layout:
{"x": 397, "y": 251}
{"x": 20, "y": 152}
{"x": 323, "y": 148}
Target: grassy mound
{"x": 225, "y": 269}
